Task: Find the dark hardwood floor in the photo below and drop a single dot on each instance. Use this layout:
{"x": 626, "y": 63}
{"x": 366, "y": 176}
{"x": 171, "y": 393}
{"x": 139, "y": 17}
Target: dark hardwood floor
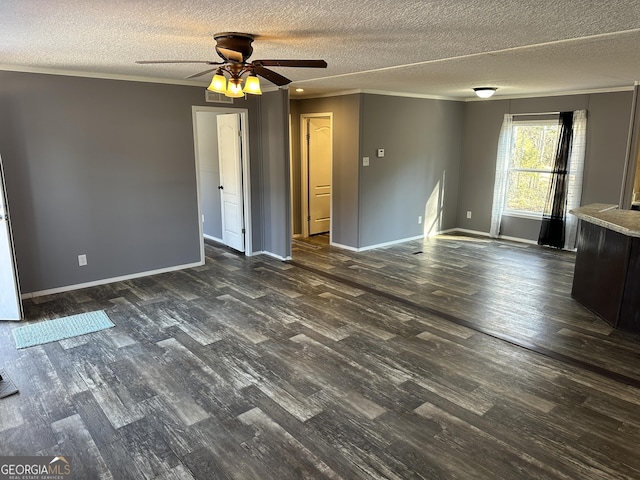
{"x": 517, "y": 292}
{"x": 253, "y": 368}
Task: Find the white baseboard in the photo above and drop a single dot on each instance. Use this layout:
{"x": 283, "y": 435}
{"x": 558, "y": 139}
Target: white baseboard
{"x": 379, "y": 245}
{"x": 500, "y": 237}
{"x": 106, "y": 281}
{"x": 273, "y": 255}
{"x": 344, "y": 247}
{"x": 441, "y": 232}
{"x": 214, "y": 239}
{"x": 472, "y": 232}
{"x": 221, "y": 243}
{"x": 519, "y": 240}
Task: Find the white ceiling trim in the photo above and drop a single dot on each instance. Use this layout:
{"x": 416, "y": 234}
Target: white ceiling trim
{"x": 373, "y": 92}
{"x": 132, "y": 78}
{"x": 471, "y": 98}
{"x": 601, "y": 36}
{"x": 104, "y": 76}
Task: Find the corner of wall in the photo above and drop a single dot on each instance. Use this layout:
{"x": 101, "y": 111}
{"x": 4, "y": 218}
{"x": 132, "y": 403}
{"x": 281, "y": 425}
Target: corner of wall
{"x": 361, "y": 117}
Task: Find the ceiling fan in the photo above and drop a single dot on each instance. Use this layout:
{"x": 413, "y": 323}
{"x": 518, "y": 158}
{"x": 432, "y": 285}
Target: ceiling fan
{"x": 235, "y": 49}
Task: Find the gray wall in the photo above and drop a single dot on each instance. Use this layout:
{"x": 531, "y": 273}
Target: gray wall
{"x": 345, "y": 171}
{"x": 479, "y": 149}
{"x": 296, "y": 167}
{"x": 276, "y": 214}
{"x": 419, "y": 173}
{"x": 417, "y": 177}
{"x": 209, "y": 165}
{"x": 608, "y": 117}
{"x": 104, "y": 168}
{"x": 607, "y": 138}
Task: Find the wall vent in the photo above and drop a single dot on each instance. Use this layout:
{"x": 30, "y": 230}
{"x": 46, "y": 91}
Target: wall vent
{"x": 214, "y": 97}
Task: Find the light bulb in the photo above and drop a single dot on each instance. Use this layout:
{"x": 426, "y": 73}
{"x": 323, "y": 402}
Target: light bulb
{"x": 218, "y": 83}
{"x": 234, "y": 88}
{"x": 485, "y": 92}
{"x": 252, "y": 85}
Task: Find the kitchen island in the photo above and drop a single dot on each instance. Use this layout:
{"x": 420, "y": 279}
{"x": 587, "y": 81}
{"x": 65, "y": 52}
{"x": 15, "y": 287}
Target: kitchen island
{"x": 607, "y": 272}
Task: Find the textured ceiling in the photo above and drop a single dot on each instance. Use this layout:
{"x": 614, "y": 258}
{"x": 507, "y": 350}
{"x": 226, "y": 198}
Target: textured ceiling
{"x": 416, "y": 47}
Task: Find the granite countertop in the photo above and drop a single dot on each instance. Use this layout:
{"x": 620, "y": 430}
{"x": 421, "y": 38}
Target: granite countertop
{"x": 609, "y": 216}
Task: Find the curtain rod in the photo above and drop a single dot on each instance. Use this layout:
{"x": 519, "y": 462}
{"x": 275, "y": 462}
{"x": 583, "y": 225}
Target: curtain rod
{"x": 531, "y": 114}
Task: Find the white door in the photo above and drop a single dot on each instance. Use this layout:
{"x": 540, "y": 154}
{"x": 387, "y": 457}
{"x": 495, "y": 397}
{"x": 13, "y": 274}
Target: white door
{"x": 10, "y": 303}
{"x": 319, "y": 153}
{"x": 231, "y": 193}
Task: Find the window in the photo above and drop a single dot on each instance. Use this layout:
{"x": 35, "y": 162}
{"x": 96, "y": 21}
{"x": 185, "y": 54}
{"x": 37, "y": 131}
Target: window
{"x": 531, "y": 160}
{"x": 524, "y": 168}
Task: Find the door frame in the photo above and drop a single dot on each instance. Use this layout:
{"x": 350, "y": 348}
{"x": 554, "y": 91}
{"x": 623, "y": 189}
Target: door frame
{"x": 12, "y": 252}
{"x": 304, "y": 172}
{"x": 246, "y": 176}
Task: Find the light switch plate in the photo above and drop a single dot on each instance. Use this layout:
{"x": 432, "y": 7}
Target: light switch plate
{"x": 380, "y": 152}
{"x": 365, "y": 161}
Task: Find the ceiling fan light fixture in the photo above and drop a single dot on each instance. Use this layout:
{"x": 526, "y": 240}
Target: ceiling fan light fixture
{"x": 234, "y": 88}
{"x": 252, "y": 85}
{"x": 485, "y": 92}
{"x": 218, "y": 83}
{"x": 235, "y": 49}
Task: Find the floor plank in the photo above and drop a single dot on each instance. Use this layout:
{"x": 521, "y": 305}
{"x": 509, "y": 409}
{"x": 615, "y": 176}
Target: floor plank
{"x": 248, "y": 367}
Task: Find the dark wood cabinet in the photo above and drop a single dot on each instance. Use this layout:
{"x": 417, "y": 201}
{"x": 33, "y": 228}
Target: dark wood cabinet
{"x": 607, "y": 275}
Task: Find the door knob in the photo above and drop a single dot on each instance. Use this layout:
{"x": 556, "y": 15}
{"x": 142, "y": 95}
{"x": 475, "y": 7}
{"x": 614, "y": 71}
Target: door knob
{"x": 220, "y": 187}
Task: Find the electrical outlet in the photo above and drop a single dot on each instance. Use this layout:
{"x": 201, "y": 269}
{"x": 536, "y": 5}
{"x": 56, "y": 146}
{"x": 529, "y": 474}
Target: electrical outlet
{"x": 420, "y": 220}
{"x": 468, "y": 213}
{"x": 365, "y": 161}
{"x": 82, "y": 260}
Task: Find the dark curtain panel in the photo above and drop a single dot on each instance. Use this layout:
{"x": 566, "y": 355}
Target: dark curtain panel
{"x": 555, "y": 210}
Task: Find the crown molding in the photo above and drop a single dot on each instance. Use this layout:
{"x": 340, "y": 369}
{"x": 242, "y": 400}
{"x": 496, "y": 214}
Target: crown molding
{"x": 191, "y": 83}
{"x": 374, "y": 92}
{"x": 103, "y": 76}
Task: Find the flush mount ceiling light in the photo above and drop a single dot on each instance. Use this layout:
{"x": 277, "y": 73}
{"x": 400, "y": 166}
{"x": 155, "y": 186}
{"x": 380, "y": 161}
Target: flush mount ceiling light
{"x": 485, "y": 92}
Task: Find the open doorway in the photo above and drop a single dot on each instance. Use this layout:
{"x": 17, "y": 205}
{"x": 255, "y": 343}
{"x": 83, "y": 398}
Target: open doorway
{"x": 316, "y": 170}
{"x": 221, "y": 142}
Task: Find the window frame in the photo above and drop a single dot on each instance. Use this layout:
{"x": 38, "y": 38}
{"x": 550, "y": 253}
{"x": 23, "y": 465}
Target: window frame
{"x": 528, "y": 214}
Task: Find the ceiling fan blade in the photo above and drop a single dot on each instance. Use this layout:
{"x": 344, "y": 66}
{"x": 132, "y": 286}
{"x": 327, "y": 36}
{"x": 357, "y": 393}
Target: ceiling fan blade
{"x": 270, "y": 75}
{"x": 231, "y": 55}
{"x": 201, "y": 73}
{"x": 147, "y": 62}
{"x": 292, "y": 63}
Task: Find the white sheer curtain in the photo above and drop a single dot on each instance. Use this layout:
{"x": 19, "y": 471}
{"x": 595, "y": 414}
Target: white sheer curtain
{"x": 502, "y": 169}
{"x": 576, "y": 168}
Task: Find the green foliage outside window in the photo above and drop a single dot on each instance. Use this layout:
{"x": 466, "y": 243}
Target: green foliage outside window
{"x": 531, "y": 162}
